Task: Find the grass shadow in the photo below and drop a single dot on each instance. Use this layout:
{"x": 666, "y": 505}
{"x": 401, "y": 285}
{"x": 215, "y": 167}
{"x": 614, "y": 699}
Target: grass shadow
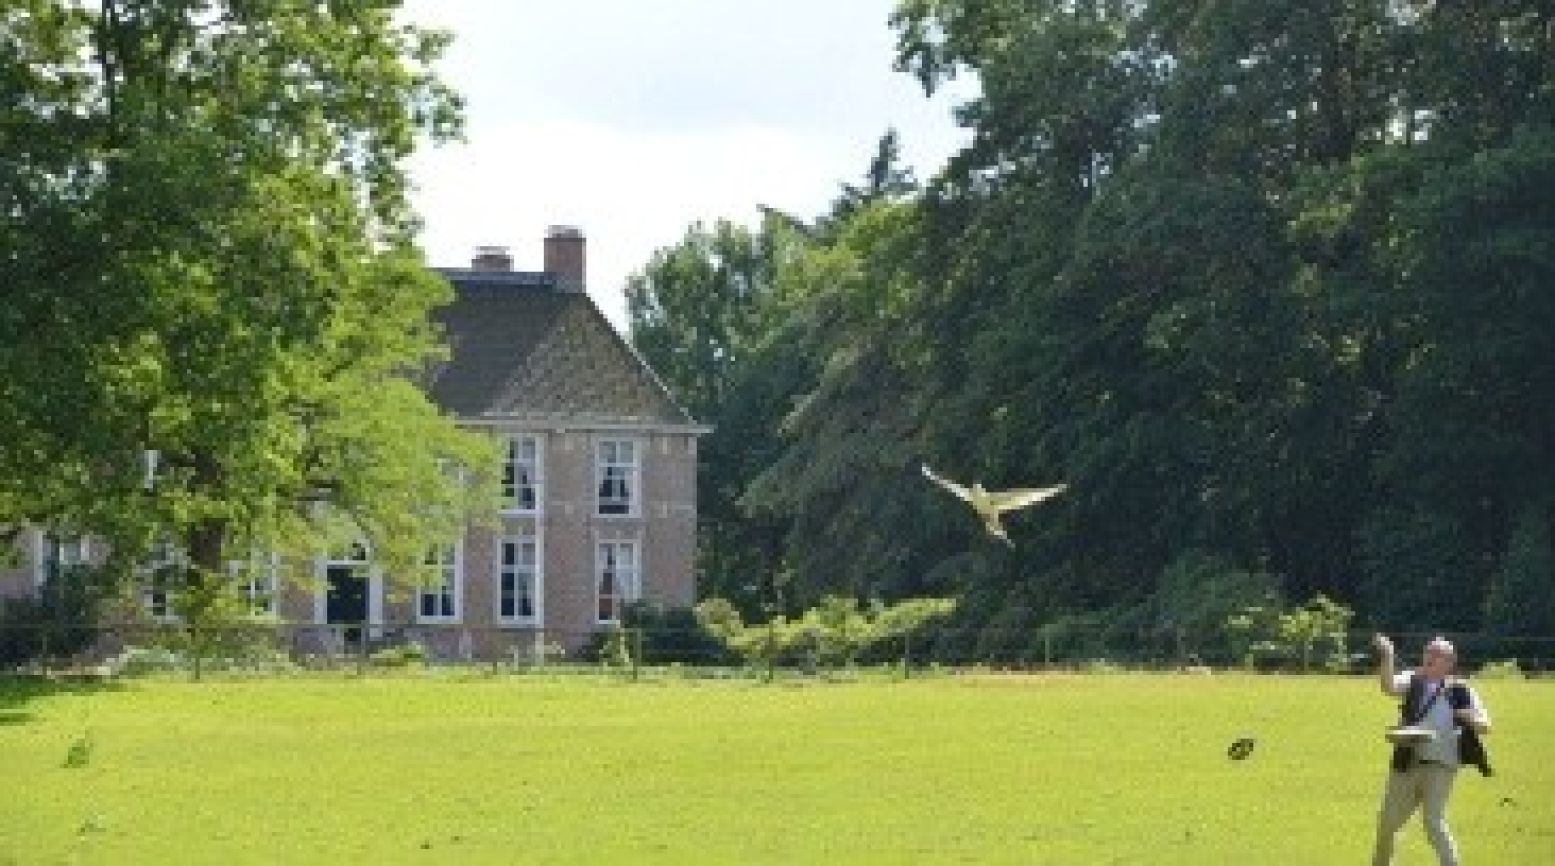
{"x": 18, "y": 690}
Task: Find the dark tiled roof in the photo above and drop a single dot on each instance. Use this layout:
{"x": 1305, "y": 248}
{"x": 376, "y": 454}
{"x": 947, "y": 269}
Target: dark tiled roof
{"x": 520, "y": 348}
{"x": 467, "y": 277}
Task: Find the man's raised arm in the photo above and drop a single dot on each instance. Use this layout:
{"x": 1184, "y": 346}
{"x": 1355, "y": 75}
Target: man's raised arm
{"x": 1384, "y": 662}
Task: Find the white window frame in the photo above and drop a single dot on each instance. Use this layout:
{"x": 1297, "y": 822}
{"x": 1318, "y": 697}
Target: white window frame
{"x": 357, "y": 554}
{"x": 49, "y": 549}
{"x": 151, "y": 462}
{"x": 608, "y": 466}
{"x": 628, "y": 578}
{"x": 514, "y": 462}
{"x": 442, "y": 582}
{"x": 536, "y": 575}
{"x": 155, "y": 597}
{"x": 257, "y": 582}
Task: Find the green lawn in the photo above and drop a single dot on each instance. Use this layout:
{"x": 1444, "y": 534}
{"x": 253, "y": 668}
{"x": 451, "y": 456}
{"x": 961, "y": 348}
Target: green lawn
{"x": 1101, "y": 769}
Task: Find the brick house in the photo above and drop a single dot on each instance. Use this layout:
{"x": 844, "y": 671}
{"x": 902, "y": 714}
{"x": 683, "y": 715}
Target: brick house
{"x": 598, "y": 481}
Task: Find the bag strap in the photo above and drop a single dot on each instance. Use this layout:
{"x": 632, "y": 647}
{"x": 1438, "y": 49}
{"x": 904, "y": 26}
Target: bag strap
{"x": 1426, "y": 708}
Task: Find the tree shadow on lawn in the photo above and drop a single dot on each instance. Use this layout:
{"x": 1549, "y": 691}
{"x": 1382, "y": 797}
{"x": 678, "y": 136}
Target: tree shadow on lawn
{"x": 17, "y": 690}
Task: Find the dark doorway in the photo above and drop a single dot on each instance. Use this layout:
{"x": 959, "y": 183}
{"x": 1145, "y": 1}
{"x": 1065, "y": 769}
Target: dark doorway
{"x": 346, "y": 602}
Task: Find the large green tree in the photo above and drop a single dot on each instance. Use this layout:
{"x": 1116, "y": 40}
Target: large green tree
{"x": 1208, "y": 258}
{"x": 698, "y": 310}
{"x": 1265, "y": 281}
{"x": 207, "y": 255}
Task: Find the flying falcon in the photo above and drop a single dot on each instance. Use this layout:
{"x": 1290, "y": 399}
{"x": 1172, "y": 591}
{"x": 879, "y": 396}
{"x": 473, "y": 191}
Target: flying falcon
{"x": 989, "y": 504}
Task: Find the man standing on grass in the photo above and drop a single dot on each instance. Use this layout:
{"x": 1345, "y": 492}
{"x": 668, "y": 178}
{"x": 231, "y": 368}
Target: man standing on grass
{"x": 1422, "y": 774}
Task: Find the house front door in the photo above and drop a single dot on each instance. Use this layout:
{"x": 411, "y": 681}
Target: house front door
{"x": 346, "y": 602}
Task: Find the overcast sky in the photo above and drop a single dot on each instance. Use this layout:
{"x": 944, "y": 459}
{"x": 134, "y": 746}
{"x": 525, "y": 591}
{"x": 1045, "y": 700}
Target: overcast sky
{"x": 632, "y": 119}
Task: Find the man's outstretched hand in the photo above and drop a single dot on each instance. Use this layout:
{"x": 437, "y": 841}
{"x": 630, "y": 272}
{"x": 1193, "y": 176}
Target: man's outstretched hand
{"x": 1383, "y": 645}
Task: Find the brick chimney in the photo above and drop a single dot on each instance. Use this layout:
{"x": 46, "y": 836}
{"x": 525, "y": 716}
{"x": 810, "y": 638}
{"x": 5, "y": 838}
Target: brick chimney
{"x": 492, "y": 259}
{"x": 564, "y": 257}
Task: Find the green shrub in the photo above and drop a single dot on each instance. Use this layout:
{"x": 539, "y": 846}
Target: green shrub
{"x": 1507, "y": 669}
{"x": 141, "y": 660}
{"x": 1197, "y": 592}
{"x": 408, "y": 654}
{"x": 1072, "y": 637}
{"x": 1521, "y": 599}
{"x": 1313, "y": 634}
{"x": 835, "y": 631}
{"x": 673, "y": 634}
{"x": 1010, "y": 635}
{"x": 233, "y": 647}
{"x": 661, "y": 635}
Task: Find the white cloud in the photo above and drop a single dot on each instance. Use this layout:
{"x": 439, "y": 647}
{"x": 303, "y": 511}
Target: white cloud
{"x": 630, "y": 193}
{"x": 632, "y": 119}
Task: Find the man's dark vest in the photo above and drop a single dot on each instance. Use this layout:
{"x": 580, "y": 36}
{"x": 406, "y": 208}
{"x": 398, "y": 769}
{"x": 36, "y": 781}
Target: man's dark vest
{"x": 1410, "y": 712}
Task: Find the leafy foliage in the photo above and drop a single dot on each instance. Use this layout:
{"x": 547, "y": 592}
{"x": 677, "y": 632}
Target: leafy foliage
{"x": 1313, "y": 632}
{"x": 836, "y": 631}
{"x": 1521, "y": 601}
{"x": 1267, "y": 284}
{"x": 209, "y": 257}
{"x": 1199, "y": 592}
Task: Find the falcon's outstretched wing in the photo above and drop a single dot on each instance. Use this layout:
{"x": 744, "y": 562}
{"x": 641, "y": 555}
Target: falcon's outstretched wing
{"x": 1009, "y": 500}
{"x": 952, "y": 486}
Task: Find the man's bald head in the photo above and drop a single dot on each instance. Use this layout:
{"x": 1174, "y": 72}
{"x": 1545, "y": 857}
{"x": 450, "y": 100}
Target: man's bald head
{"x": 1440, "y": 656}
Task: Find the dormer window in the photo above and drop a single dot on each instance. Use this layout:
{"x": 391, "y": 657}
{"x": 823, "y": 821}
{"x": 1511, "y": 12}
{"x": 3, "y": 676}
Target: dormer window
{"x": 618, "y": 476}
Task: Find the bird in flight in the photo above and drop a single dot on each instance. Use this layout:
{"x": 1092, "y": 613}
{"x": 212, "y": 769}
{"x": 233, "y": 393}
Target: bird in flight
{"x": 989, "y": 504}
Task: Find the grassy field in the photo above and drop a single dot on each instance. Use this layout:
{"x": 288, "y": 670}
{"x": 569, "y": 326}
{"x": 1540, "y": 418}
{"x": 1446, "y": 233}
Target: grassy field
{"x": 1060, "y": 769}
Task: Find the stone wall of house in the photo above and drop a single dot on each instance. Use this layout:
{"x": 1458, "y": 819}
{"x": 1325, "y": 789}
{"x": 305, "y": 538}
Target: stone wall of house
{"x": 567, "y": 531}
{"x": 664, "y": 526}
